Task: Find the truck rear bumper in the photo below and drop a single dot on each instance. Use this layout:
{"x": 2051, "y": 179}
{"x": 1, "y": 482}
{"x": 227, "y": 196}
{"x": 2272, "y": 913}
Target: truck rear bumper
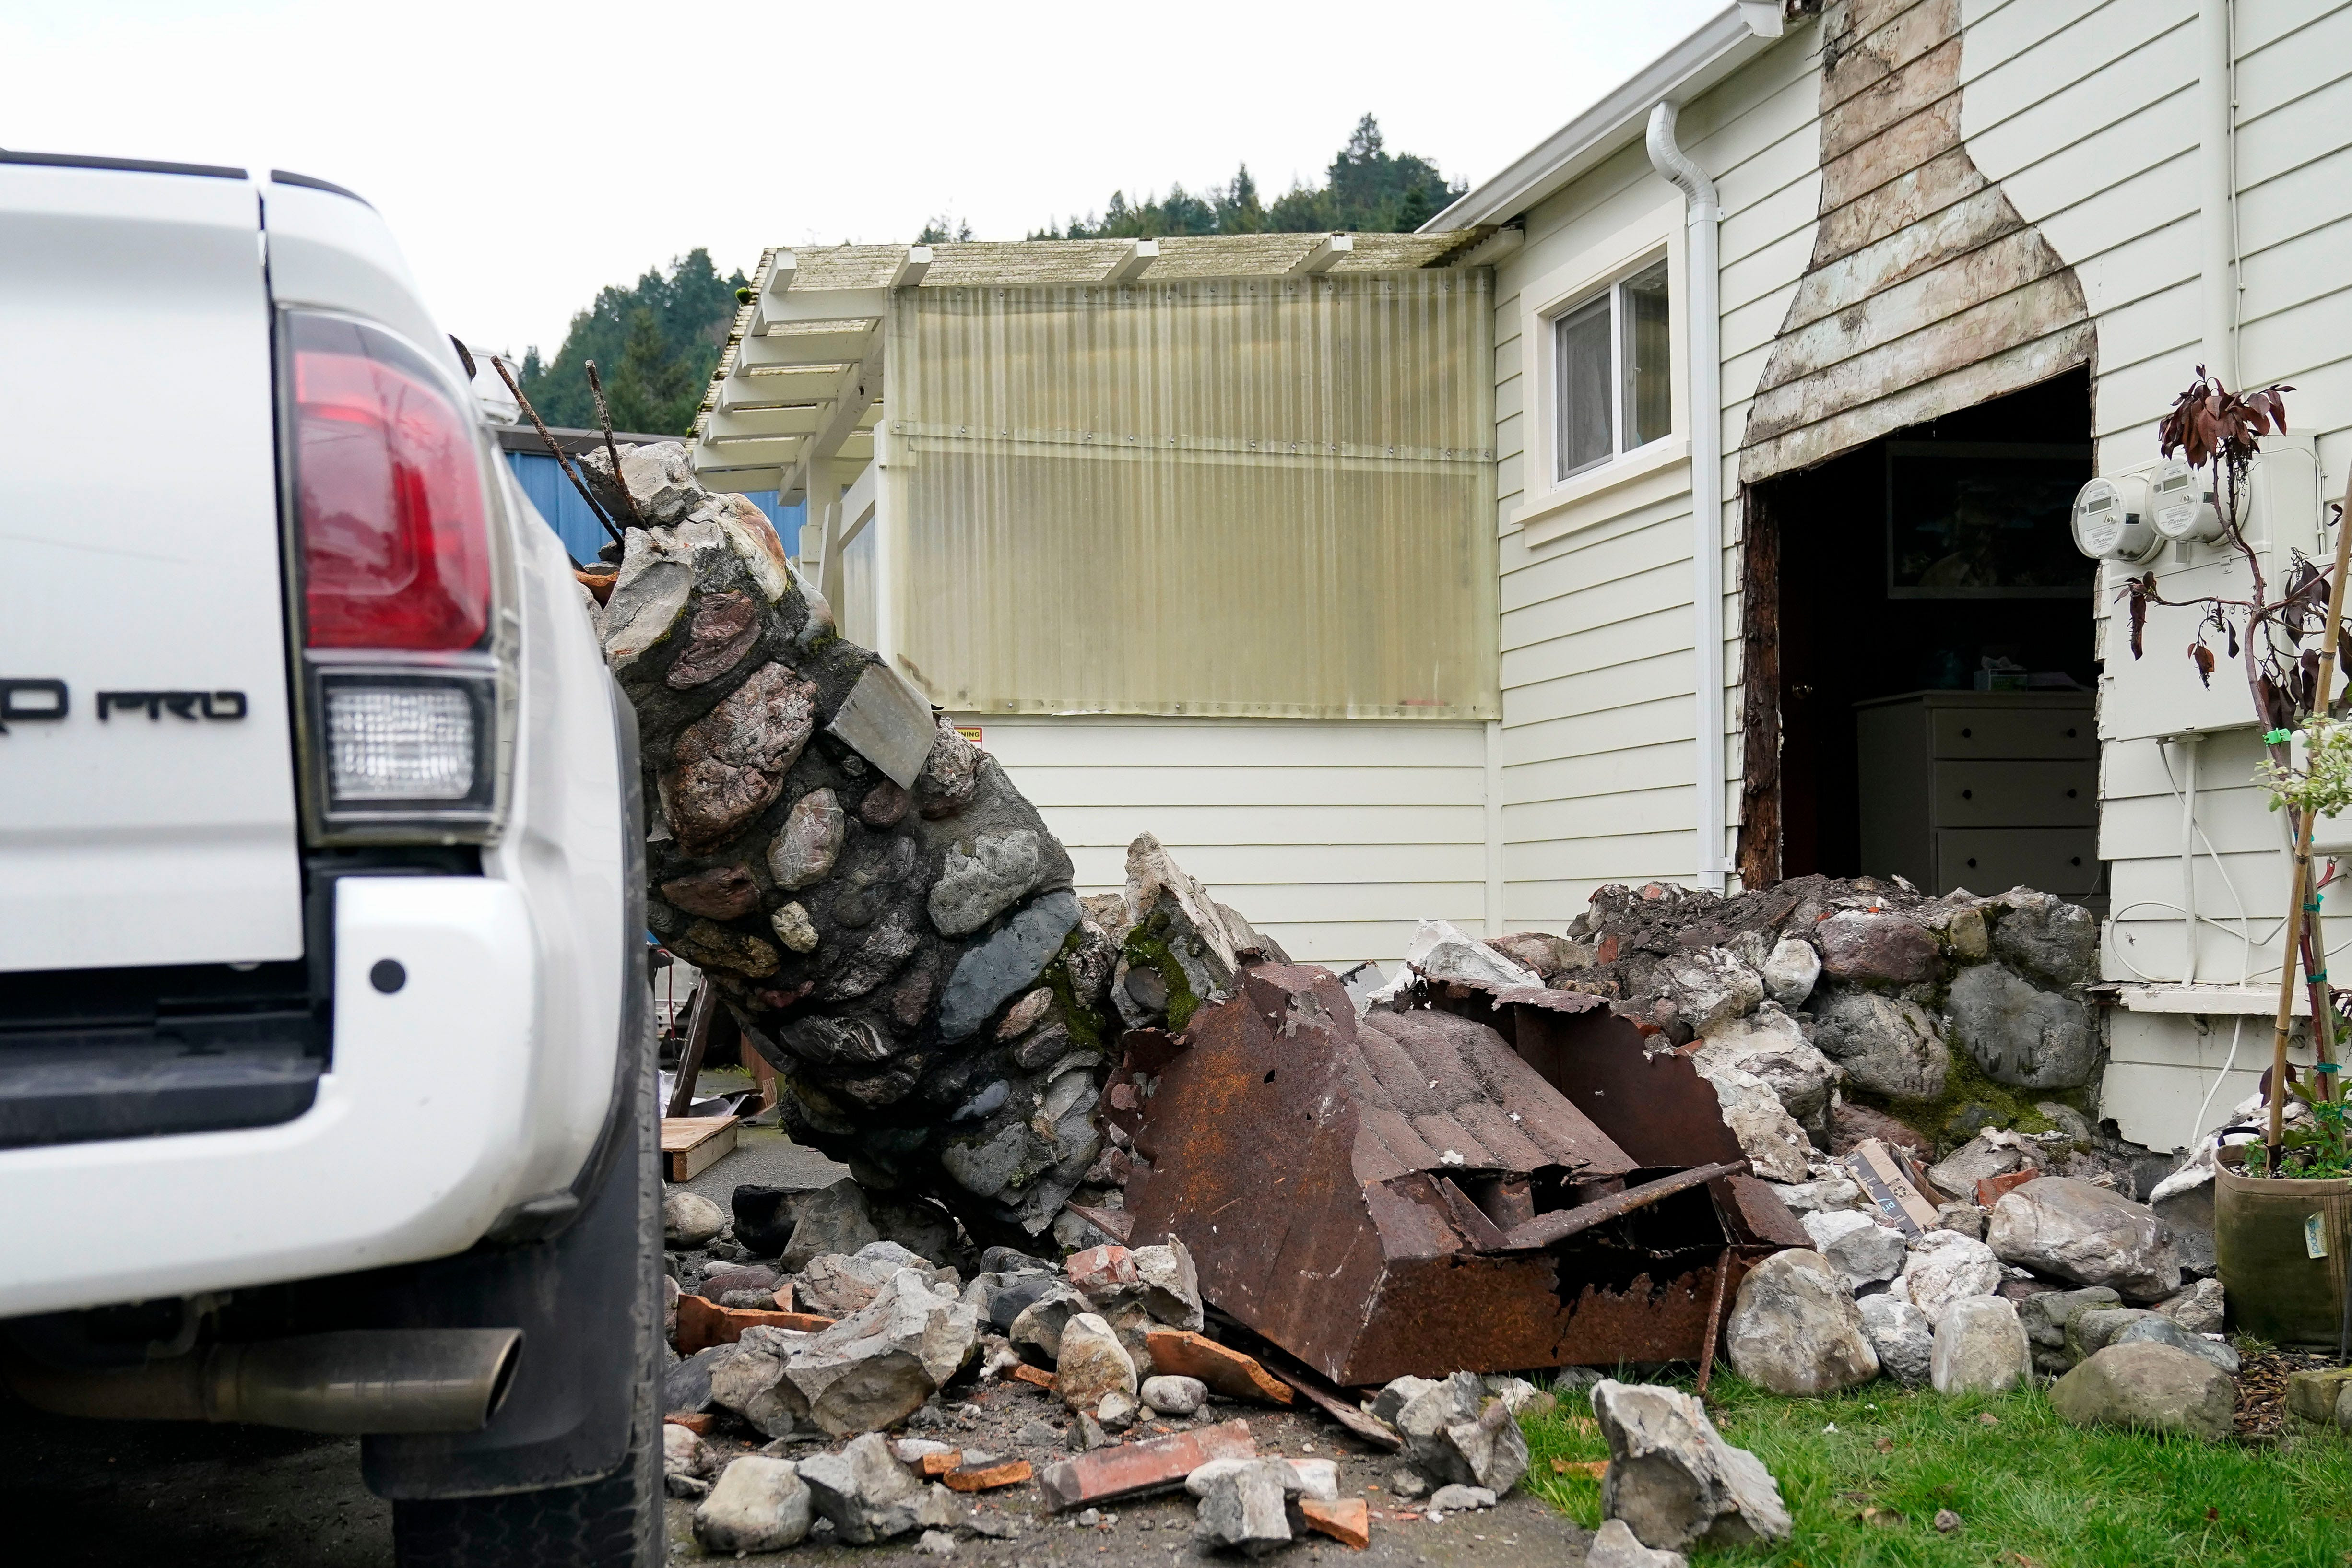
{"x": 411, "y": 1148}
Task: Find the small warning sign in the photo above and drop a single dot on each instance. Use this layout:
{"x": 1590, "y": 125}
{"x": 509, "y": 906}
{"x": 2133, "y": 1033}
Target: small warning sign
{"x": 969, "y": 732}
{"x": 2315, "y": 1235}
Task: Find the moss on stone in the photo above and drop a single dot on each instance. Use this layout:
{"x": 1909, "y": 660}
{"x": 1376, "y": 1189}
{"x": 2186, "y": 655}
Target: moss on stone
{"x": 1147, "y": 948}
{"x": 2013, "y": 1108}
{"x": 1086, "y": 1026}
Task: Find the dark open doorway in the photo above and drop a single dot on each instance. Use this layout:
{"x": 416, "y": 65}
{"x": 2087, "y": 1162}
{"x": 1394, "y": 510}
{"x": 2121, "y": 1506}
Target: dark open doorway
{"x": 1932, "y": 626}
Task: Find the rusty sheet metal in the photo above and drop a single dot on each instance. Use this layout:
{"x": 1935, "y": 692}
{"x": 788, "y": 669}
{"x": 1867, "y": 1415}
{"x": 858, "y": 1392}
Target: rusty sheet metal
{"x": 1336, "y": 1181}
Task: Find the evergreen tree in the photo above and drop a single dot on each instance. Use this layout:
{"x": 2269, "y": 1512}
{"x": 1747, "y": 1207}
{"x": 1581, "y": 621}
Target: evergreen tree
{"x": 659, "y": 339}
{"x": 1367, "y": 190}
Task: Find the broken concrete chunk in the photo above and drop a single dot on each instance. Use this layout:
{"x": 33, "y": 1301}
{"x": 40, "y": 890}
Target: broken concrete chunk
{"x": 2088, "y": 1234}
{"x": 878, "y": 1366}
{"x": 1770, "y": 1138}
{"x": 1794, "y": 1328}
{"x": 1440, "y": 950}
{"x": 1862, "y": 1251}
{"x": 1614, "y": 1545}
{"x": 1244, "y": 1508}
{"x": 1944, "y": 1267}
{"x": 1672, "y": 1479}
{"x": 1770, "y": 1044}
{"x": 1091, "y": 1363}
{"x": 1171, "y": 1289}
{"x": 760, "y": 1504}
{"x": 748, "y": 1378}
{"x": 1709, "y": 987}
{"x": 870, "y": 1496}
{"x": 1040, "y": 1323}
{"x": 1456, "y": 1498}
{"x": 1452, "y": 1434}
{"x": 888, "y": 722}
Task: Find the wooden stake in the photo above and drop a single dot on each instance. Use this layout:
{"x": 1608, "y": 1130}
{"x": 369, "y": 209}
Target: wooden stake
{"x": 697, "y": 1040}
{"x": 2301, "y": 882}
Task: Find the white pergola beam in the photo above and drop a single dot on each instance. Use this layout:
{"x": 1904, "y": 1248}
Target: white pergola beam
{"x": 1330, "y": 248}
{"x": 1136, "y": 259}
{"x": 912, "y": 266}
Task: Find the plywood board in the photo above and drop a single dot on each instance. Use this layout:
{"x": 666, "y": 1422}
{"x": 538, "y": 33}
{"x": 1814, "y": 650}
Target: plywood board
{"x": 692, "y": 1145}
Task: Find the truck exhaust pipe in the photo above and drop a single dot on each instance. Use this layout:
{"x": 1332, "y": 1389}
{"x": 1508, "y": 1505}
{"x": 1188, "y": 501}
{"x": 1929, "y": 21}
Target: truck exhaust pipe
{"x": 356, "y": 1382}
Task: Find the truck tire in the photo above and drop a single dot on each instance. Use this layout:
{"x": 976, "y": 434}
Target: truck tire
{"x": 615, "y": 1522}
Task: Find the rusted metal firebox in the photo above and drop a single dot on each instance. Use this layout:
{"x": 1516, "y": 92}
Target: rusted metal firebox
{"x": 1410, "y": 1193}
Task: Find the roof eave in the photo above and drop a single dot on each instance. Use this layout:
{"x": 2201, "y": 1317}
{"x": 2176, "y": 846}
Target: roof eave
{"x": 1716, "y": 48}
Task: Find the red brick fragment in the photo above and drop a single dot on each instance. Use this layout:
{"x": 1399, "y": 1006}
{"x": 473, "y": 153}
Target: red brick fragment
{"x": 1035, "y": 1376}
{"x": 985, "y": 1478}
{"x": 1131, "y": 1469}
{"x": 1348, "y": 1521}
{"x": 1227, "y": 1372}
{"x": 695, "y": 1421}
{"x": 934, "y": 1466}
{"x": 701, "y": 1324}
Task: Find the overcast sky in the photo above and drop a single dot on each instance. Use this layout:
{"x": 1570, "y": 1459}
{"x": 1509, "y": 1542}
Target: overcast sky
{"x": 527, "y": 154}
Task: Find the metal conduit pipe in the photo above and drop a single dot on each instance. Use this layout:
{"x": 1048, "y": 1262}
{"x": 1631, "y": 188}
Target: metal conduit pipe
{"x": 358, "y": 1382}
{"x": 1704, "y": 336}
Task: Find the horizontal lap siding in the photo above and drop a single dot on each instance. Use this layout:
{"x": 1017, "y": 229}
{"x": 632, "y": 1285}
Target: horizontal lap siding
{"x": 2088, "y": 115}
{"x": 1335, "y": 839}
{"x": 1597, "y": 665}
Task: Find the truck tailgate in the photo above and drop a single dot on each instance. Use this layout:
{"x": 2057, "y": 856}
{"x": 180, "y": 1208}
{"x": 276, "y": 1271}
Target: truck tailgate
{"x": 147, "y": 804}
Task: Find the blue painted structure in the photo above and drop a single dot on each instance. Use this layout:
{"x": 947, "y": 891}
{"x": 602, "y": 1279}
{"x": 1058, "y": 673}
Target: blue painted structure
{"x": 542, "y": 480}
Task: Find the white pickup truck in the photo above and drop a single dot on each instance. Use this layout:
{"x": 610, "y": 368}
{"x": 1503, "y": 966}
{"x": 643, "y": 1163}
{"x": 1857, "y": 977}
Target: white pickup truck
{"x": 324, "y": 1068}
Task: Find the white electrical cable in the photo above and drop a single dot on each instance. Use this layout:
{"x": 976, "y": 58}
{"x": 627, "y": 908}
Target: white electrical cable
{"x": 2236, "y": 1029}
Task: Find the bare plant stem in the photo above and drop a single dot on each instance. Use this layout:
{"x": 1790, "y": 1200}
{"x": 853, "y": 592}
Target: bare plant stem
{"x": 604, "y": 419}
{"x": 570, "y": 473}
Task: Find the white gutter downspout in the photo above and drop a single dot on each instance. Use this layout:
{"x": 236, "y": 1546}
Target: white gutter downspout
{"x": 1705, "y": 331}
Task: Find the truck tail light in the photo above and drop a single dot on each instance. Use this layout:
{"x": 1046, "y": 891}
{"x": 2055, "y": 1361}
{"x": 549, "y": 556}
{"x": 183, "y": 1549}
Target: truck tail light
{"x": 392, "y": 545}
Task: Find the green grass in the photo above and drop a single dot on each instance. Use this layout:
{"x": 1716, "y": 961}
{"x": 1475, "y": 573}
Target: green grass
{"x": 2030, "y": 1489}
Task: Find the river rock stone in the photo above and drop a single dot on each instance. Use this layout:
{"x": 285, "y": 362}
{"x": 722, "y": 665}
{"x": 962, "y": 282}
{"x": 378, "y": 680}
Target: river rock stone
{"x": 2090, "y": 1330}
{"x": 2052, "y": 940}
{"x": 1614, "y": 1545}
{"x": 2073, "y": 1231}
{"x": 870, "y": 1496}
{"x": 1091, "y": 1362}
{"x": 793, "y": 928}
{"x": 1980, "y": 1348}
{"x": 1887, "y": 1045}
{"x": 724, "y": 628}
{"x": 2199, "y": 1308}
{"x": 1861, "y": 1250}
{"x": 2156, "y": 1329}
{"x": 975, "y": 888}
{"x": 1039, "y": 1323}
{"x": 1770, "y": 1044}
{"x": 1794, "y": 1327}
{"x": 1006, "y": 964}
{"x": 760, "y": 1504}
{"x": 1770, "y": 1138}
{"x": 689, "y": 1220}
{"x": 2018, "y": 1034}
{"x": 2044, "y": 1316}
{"x": 1876, "y": 947}
{"x": 1173, "y": 1395}
{"x": 684, "y": 1453}
{"x": 730, "y": 764}
{"x": 1790, "y": 971}
{"x": 1943, "y": 1266}
{"x": 722, "y": 893}
{"x": 2153, "y": 1387}
{"x": 802, "y": 854}
{"x": 1903, "y": 1337}
{"x": 1672, "y": 1479}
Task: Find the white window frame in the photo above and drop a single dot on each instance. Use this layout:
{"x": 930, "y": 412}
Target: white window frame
{"x": 1552, "y": 504}
{"x": 1613, "y": 294}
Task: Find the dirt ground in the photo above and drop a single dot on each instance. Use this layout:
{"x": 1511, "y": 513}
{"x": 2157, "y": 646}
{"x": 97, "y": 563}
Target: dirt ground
{"x": 1159, "y": 1530}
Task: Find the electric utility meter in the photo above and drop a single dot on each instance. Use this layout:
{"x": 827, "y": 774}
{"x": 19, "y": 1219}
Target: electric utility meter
{"x": 2182, "y": 504}
{"x": 2111, "y": 520}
